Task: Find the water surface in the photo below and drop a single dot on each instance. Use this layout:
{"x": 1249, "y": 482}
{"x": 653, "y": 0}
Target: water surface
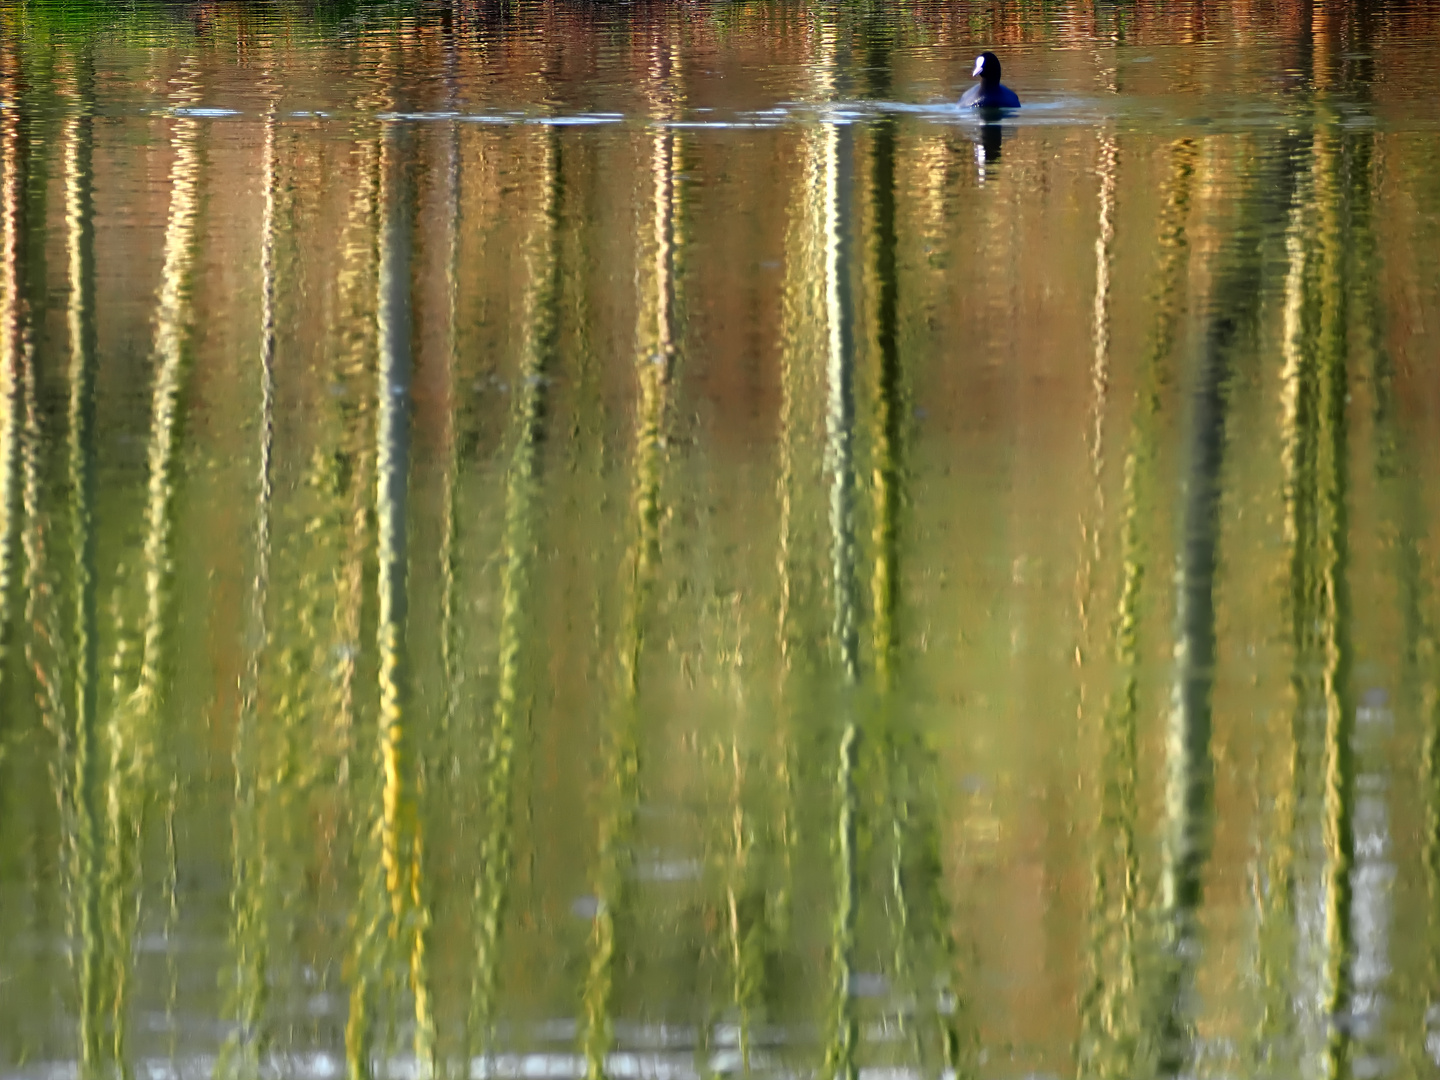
{"x": 563, "y": 540}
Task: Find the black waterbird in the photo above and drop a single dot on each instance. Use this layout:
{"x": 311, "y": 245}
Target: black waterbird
{"x": 989, "y": 94}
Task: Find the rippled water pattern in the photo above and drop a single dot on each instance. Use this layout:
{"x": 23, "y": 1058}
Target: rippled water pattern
{"x": 567, "y": 540}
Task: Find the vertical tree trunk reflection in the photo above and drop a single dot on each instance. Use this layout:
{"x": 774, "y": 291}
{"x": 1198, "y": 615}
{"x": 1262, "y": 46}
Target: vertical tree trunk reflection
{"x": 1093, "y": 529}
{"x": 1227, "y": 316}
{"x": 1110, "y": 1031}
{"x": 804, "y": 617}
{"x": 450, "y": 668}
{"x": 1316, "y": 459}
{"x": 134, "y": 728}
{"x": 839, "y": 436}
{"x": 1400, "y": 474}
{"x": 250, "y": 877}
{"x": 840, "y": 375}
{"x": 1339, "y": 832}
{"x": 86, "y": 764}
{"x": 402, "y": 919}
{"x": 654, "y": 373}
{"x": 14, "y": 337}
{"x": 541, "y": 267}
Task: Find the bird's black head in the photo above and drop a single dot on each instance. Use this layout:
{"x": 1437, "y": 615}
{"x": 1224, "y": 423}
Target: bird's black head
{"x": 987, "y": 68}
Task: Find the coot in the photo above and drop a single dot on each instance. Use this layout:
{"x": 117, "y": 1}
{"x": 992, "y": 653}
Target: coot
{"x": 989, "y": 94}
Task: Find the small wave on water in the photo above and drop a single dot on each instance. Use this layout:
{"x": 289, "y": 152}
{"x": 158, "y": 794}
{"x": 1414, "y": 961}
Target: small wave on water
{"x": 1063, "y": 111}
{"x": 1129, "y": 113}
{"x": 569, "y": 120}
{"x": 204, "y": 113}
{"x": 579, "y": 120}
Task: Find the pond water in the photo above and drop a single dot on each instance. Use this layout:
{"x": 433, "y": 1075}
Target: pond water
{"x": 640, "y": 541}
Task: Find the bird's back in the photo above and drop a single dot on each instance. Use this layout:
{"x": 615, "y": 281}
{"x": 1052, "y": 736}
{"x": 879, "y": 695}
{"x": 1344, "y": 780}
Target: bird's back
{"x": 981, "y": 96}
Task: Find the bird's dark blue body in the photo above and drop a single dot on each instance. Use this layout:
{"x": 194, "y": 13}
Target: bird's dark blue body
{"x": 989, "y": 93}
{"x": 989, "y": 97}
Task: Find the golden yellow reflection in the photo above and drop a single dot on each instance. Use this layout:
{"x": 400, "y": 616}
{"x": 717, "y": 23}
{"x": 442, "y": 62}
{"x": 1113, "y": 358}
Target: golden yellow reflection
{"x": 345, "y": 464}
{"x": 1315, "y": 393}
{"x": 366, "y": 286}
{"x": 1092, "y": 530}
{"x": 889, "y": 405}
{"x": 250, "y": 904}
{"x": 1276, "y": 900}
{"x": 172, "y": 326}
{"x": 14, "y": 348}
{"x": 842, "y": 1032}
{"x": 1332, "y": 407}
{"x": 449, "y": 536}
{"x": 1112, "y": 1004}
{"x": 805, "y": 345}
{"x": 840, "y": 391}
{"x": 654, "y": 363}
{"x": 402, "y": 921}
{"x": 133, "y": 728}
{"x": 1231, "y": 290}
{"x": 518, "y": 550}
{"x": 85, "y": 749}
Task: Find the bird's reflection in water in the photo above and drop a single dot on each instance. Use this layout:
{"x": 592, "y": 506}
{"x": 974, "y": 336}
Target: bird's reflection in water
{"x": 987, "y": 149}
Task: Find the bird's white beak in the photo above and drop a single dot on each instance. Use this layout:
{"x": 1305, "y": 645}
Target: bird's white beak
{"x": 979, "y": 64}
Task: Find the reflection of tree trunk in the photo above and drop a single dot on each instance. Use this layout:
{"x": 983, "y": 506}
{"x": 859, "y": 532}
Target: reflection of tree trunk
{"x": 518, "y": 547}
{"x": 15, "y": 347}
{"x": 1230, "y": 310}
{"x": 921, "y": 940}
{"x": 1398, "y": 474}
{"x": 249, "y": 936}
{"x": 351, "y": 456}
{"x": 745, "y": 903}
{"x": 1333, "y": 519}
{"x": 840, "y": 418}
{"x": 449, "y": 536}
{"x": 1277, "y": 915}
{"x": 1430, "y": 780}
{"x": 134, "y": 726}
{"x": 890, "y": 407}
{"x": 839, "y": 436}
{"x": 1092, "y": 530}
{"x": 840, "y": 1050}
{"x": 804, "y": 348}
{"x": 1315, "y": 458}
{"x": 85, "y": 751}
{"x": 401, "y": 841}
{"x": 840, "y": 415}
{"x": 42, "y": 637}
{"x": 172, "y": 354}
{"x": 887, "y": 490}
{"x": 316, "y": 678}
{"x": 346, "y": 465}
{"x": 449, "y": 753}
{"x": 30, "y": 638}
{"x": 655, "y": 360}
{"x": 1109, "y": 1009}
{"x": 911, "y": 825}
{"x": 41, "y": 634}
